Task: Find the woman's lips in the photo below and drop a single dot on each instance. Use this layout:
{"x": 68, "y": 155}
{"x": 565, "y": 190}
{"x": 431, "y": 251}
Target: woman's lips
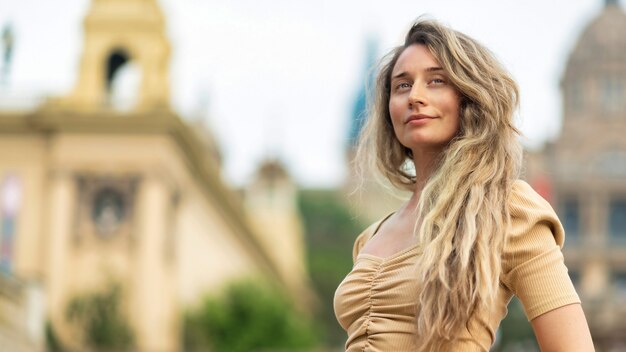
{"x": 418, "y": 119}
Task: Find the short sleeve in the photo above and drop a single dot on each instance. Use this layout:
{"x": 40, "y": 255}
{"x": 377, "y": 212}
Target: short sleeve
{"x": 532, "y": 261}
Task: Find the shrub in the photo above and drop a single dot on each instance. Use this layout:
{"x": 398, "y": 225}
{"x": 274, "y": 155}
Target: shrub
{"x": 247, "y": 316}
{"x": 98, "y": 316}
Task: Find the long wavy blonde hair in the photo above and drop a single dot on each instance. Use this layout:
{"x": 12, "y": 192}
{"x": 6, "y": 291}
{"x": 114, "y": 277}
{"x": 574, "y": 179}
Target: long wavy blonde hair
{"x": 462, "y": 209}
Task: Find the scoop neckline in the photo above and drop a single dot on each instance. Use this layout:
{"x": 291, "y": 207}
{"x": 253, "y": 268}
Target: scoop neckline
{"x": 390, "y": 257}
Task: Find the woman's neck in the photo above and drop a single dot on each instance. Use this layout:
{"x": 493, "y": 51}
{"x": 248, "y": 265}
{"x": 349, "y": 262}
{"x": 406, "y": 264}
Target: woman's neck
{"x": 425, "y": 162}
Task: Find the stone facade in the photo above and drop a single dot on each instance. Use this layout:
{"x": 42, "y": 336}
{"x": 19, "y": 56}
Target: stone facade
{"x": 583, "y": 173}
{"x": 92, "y": 193}
{"x": 271, "y": 204}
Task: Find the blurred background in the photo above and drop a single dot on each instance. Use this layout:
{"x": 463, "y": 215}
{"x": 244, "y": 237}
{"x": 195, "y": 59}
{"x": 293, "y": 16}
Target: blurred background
{"x": 176, "y": 175}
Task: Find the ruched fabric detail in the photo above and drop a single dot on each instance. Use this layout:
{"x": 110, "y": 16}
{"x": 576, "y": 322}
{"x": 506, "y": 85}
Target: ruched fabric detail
{"x": 387, "y": 304}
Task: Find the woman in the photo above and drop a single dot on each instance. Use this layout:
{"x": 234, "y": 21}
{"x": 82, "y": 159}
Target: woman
{"x": 438, "y": 273}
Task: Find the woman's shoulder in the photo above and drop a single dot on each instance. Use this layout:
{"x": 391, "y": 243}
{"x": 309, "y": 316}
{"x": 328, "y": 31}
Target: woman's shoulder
{"x": 534, "y": 227}
{"x": 364, "y": 236}
{"x": 528, "y": 209}
{"x": 524, "y": 198}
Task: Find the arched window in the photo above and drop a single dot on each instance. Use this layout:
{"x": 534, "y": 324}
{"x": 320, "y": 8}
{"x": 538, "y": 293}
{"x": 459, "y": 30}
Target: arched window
{"x": 612, "y": 94}
{"x": 123, "y": 79}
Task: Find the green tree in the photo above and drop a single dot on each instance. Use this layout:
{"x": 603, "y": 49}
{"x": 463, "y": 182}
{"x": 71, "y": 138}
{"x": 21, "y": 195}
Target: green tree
{"x": 515, "y": 333}
{"x": 248, "y": 316}
{"x": 52, "y": 341}
{"x": 98, "y": 316}
{"x": 330, "y": 233}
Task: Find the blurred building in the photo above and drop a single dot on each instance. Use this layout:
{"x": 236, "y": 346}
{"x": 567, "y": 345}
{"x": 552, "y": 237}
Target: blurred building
{"x": 583, "y": 173}
{"x": 271, "y": 202}
{"x": 100, "y": 187}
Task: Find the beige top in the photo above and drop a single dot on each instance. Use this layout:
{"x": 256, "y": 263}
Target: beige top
{"x": 375, "y": 303}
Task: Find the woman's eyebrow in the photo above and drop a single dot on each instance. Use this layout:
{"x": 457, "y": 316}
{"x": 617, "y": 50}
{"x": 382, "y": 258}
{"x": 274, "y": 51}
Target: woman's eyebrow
{"x": 428, "y": 69}
{"x": 400, "y": 75}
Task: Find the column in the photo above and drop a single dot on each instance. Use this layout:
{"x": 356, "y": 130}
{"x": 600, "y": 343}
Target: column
{"x": 153, "y": 302}
{"x": 60, "y": 210}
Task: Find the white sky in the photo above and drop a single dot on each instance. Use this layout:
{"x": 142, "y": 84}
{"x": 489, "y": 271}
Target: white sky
{"x": 279, "y": 77}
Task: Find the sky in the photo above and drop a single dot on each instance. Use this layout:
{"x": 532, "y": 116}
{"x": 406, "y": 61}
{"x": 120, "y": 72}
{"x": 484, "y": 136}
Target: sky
{"x": 278, "y": 78}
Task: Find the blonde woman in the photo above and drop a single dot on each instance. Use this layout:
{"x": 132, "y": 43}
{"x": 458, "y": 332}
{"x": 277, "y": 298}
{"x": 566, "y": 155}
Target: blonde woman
{"x": 437, "y": 274}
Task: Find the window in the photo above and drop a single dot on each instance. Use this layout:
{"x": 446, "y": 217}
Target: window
{"x": 612, "y": 94}
{"x": 611, "y": 162}
{"x": 617, "y": 220}
{"x": 576, "y": 96}
{"x": 619, "y": 282}
{"x": 10, "y": 200}
{"x": 570, "y": 218}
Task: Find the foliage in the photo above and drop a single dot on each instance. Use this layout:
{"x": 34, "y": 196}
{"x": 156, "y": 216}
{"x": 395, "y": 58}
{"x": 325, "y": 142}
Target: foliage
{"x": 248, "y": 316}
{"x": 330, "y": 233}
{"x": 516, "y": 334}
{"x": 98, "y": 315}
{"x": 52, "y": 341}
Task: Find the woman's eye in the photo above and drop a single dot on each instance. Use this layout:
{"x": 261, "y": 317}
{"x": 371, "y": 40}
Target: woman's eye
{"x": 437, "y": 81}
{"x": 403, "y": 86}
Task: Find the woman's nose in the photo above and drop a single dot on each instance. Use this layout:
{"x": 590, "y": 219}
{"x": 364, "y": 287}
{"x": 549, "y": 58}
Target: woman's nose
{"x": 417, "y": 95}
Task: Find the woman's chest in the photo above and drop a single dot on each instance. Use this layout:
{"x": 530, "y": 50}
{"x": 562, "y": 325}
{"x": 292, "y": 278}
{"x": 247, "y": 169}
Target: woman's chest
{"x": 378, "y": 287}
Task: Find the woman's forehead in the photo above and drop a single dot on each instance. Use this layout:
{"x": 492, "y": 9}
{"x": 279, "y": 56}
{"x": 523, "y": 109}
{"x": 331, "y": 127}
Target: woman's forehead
{"x": 415, "y": 57}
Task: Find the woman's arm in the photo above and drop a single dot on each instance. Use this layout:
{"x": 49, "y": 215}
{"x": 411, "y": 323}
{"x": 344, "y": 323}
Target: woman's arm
{"x": 563, "y": 329}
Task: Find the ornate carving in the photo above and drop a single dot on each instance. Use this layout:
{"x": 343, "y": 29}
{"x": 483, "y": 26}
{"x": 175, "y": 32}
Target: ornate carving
{"x": 105, "y": 206}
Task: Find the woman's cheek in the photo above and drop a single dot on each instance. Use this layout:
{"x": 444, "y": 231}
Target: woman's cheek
{"x": 394, "y": 110}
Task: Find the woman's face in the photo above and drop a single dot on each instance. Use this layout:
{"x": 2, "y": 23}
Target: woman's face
{"x": 423, "y": 105}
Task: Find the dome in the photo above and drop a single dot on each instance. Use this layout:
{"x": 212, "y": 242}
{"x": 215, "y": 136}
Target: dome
{"x": 604, "y": 39}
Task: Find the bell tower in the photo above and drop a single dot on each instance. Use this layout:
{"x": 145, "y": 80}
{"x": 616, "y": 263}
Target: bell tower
{"x": 116, "y": 33}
